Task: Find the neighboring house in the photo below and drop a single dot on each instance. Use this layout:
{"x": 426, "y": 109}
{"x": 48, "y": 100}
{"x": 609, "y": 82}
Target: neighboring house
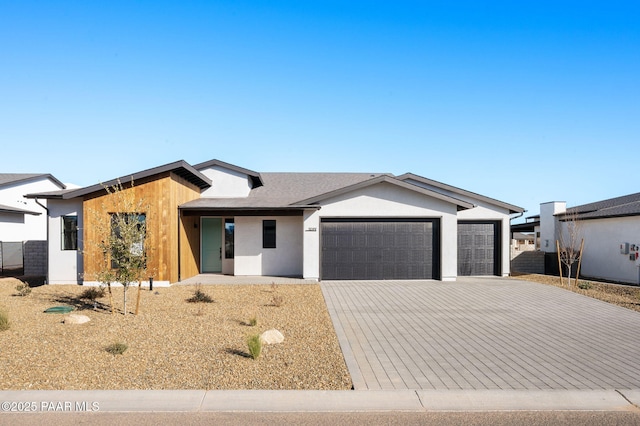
{"x": 611, "y": 233}
{"x": 523, "y": 242}
{"x": 23, "y": 222}
{"x": 524, "y": 231}
{"x": 215, "y": 217}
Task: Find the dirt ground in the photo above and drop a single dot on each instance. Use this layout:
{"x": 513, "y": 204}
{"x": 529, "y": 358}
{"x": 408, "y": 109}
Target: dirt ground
{"x": 622, "y": 295}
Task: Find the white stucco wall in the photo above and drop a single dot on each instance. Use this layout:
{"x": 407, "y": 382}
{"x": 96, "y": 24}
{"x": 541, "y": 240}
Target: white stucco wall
{"x": 65, "y": 266}
{"x": 549, "y": 224}
{"x": 17, "y": 227}
{"x": 602, "y": 240}
{"x": 252, "y": 259}
{"x": 388, "y": 201}
{"x": 226, "y": 183}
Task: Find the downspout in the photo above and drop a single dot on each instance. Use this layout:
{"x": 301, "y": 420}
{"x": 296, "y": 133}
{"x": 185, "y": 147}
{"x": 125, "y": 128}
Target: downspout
{"x": 510, "y": 219}
{"x": 46, "y": 279}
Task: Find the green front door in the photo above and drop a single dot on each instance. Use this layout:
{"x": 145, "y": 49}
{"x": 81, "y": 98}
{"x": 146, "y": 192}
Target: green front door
{"x": 211, "y": 245}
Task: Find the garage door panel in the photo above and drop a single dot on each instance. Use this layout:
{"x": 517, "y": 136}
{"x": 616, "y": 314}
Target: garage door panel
{"x": 478, "y": 248}
{"x": 380, "y": 249}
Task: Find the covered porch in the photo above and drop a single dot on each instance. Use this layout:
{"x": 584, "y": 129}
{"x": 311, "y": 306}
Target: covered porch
{"x": 219, "y": 243}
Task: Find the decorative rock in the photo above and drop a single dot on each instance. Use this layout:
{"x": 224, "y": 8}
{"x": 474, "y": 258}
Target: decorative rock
{"x": 76, "y": 319}
{"x": 271, "y": 337}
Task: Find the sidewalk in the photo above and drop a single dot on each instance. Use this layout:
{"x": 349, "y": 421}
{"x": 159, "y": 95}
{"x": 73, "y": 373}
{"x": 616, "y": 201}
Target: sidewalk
{"x": 318, "y": 401}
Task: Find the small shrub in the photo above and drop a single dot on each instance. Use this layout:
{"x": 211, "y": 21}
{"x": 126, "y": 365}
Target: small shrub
{"x": 116, "y": 348}
{"x": 23, "y": 289}
{"x": 255, "y": 345}
{"x": 4, "y": 321}
{"x": 277, "y": 300}
{"x": 200, "y": 296}
{"x": 253, "y": 321}
{"x": 584, "y": 285}
{"x": 92, "y": 293}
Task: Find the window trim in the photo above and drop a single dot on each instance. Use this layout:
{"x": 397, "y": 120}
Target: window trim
{"x": 229, "y": 239}
{"x": 269, "y": 234}
{"x": 72, "y": 233}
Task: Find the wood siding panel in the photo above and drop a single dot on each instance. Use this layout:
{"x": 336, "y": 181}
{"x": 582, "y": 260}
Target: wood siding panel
{"x": 189, "y": 247}
{"x": 182, "y": 192}
{"x": 162, "y": 194}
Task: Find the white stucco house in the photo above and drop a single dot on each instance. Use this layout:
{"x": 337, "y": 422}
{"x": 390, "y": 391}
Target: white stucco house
{"x": 216, "y": 217}
{"x": 611, "y": 233}
{"x": 23, "y": 222}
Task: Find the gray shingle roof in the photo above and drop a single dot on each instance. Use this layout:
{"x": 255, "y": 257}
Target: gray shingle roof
{"x": 10, "y": 178}
{"x": 284, "y": 190}
{"x": 289, "y": 190}
{"x": 627, "y": 205}
{"x": 458, "y": 191}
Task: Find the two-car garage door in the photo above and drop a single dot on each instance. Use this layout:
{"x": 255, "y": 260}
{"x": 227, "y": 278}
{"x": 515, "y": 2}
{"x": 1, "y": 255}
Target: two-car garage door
{"x": 380, "y": 249}
{"x": 387, "y": 249}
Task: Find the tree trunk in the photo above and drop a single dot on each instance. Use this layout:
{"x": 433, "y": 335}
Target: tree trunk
{"x": 113, "y": 309}
{"x": 138, "y": 301}
{"x": 125, "y": 299}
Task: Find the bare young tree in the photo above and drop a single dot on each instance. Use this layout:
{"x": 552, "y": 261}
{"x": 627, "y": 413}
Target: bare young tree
{"x": 121, "y": 224}
{"x": 570, "y": 245}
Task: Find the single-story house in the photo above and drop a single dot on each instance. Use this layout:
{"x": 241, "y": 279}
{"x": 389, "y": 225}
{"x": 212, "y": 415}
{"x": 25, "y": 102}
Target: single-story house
{"x": 216, "y": 217}
{"x": 611, "y": 232}
{"x": 23, "y": 223}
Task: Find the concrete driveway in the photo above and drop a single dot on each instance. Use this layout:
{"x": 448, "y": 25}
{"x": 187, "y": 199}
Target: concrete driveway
{"x": 482, "y": 333}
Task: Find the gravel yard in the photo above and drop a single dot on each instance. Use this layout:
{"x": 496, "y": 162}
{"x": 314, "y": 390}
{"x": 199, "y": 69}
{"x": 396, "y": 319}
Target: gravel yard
{"x": 627, "y": 296}
{"x": 172, "y": 344}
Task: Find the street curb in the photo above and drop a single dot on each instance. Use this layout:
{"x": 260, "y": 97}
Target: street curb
{"x": 317, "y": 400}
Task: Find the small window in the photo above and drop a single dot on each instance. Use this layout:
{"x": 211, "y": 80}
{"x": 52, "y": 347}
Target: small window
{"x": 268, "y": 234}
{"x": 69, "y": 232}
{"x": 229, "y": 230}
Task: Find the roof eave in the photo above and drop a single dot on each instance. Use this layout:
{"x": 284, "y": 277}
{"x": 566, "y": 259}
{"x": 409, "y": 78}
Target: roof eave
{"x": 255, "y": 176}
{"x": 251, "y": 208}
{"x": 192, "y": 175}
{"x": 18, "y": 211}
{"x": 462, "y": 205}
{"x": 512, "y": 208}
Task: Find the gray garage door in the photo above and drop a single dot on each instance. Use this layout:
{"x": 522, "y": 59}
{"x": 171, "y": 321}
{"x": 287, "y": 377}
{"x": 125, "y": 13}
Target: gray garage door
{"x": 478, "y": 248}
{"x": 380, "y": 249}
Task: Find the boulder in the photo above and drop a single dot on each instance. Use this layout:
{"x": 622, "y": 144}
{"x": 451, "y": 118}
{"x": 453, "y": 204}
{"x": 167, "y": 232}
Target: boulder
{"x": 271, "y": 337}
{"x": 76, "y": 319}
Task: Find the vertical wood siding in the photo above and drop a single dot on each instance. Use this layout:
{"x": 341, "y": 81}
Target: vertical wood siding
{"x": 162, "y": 193}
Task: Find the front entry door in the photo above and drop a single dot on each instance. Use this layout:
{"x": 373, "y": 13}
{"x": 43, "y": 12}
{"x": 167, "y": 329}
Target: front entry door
{"x": 211, "y": 245}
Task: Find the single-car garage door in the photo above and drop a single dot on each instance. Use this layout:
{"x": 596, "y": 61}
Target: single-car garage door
{"x": 380, "y": 249}
{"x": 478, "y": 248}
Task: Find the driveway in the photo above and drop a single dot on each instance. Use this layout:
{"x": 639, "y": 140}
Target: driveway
{"x": 482, "y": 333}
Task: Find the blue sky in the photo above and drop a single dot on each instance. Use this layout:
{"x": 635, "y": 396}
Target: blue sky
{"x": 526, "y": 102}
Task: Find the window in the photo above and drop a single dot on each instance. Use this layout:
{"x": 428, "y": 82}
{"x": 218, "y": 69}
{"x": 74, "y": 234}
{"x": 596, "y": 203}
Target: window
{"x": 69, "y": 232}
{"x": 129, "y": 231}
{"x": 229, "y": 230}
{"x": 268, "y": 234}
